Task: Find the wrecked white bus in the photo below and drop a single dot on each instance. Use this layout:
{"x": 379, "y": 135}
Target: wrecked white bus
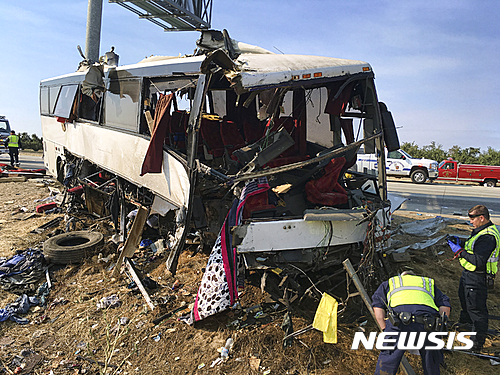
{"x": 255, "y": 163}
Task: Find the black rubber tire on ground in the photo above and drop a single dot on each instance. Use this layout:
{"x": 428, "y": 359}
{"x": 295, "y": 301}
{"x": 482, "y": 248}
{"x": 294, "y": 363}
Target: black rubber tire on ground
{"x": 71, "y": 247}
{"x": 490, "y": 183}
{"x": 419, "y": 176}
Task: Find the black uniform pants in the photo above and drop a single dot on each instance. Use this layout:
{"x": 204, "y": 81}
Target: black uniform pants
{"x": 473, "y": 293}
{"x": 14, "y": 155}
{"x": 389, "y": 360}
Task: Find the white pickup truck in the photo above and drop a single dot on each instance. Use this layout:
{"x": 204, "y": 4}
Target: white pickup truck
{"x": 400, "y": 164}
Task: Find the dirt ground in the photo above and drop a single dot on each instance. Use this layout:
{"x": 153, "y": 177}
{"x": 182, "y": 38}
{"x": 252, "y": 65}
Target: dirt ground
{"x": 72, "y": 336}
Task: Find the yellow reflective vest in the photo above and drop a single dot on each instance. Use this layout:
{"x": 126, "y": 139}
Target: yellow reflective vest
{"x": 411, "y": 290}
{"x": 13, "y": 140}
{"x": 492, "y": 264}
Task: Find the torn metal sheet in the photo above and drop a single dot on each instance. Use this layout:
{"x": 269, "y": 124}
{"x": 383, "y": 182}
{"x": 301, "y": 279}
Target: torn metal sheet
{"x": 214, "y": 39}
{"x": 161, "y": 206}
{"x": 426, "y": 244}
{"x": 419, "y": 245}
{"x": 396, "y": 201}
{"x": 427, "y": 227}
{"x": 93, "y": 80}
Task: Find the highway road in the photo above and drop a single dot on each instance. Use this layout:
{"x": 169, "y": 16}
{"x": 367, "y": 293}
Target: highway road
{"x": 28, "y": 161}
{"x": 445, "y": 198}
{"x": 435, "y": 198}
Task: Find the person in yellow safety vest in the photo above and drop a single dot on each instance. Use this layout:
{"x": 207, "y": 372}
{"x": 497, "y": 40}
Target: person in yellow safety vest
{"x": 478, "y": 255}
{"x": 13, "y": 142}
{"x": 415, "y": 303}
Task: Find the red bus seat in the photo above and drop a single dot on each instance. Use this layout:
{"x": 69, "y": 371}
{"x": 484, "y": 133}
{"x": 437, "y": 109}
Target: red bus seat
{"x": 231, "y": 136}
{"x": 252, "y": 131}
{"x": 210, "y": 133}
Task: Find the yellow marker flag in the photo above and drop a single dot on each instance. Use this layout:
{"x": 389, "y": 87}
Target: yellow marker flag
{"x": 325, "y": 319}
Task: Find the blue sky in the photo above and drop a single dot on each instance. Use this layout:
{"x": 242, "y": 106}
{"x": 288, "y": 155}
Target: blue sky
{"x": 435, "y": 62}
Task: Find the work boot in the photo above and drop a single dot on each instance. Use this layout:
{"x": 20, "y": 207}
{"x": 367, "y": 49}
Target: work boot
{"x": 462, "y": 326}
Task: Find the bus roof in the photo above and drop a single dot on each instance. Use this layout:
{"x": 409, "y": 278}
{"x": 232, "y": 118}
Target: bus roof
{"x": 252, "y": 71}
{"x": 263, "y": 70}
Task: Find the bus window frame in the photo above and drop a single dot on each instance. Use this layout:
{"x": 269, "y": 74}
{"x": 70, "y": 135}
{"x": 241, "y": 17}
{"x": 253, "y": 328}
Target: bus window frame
{"x": 138, "y": 105}
{"x": 52, "y": 102}
{"x": 65, "y": 112}
{"x": 46, "y": 110}
{"x": 52, "y": 95}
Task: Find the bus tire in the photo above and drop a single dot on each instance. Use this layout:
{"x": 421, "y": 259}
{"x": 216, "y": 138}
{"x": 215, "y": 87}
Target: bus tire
{"x": 490, "y": 182}
{"x": 71, "y": 247}
{"x": 419, "y": 176}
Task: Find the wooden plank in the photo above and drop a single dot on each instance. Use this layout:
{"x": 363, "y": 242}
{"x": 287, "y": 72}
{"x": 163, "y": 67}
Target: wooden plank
{"x": 24, "y": 215}
{"x": 405, "y": 365}
{"x": 168, "y": 315}
{"x": 123, "y": 211}
{"x": 133, "y": 239}
{"x": 150, "y": 121}
{"x": 138, "y": 282}
{"x": 136, "y": 232}
{"x": 13, "y": 179}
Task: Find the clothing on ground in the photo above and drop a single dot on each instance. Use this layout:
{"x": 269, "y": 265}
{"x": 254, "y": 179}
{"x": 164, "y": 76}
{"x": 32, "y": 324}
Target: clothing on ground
{"x": 20, "y": 271}
{"x": 20, "y": 306}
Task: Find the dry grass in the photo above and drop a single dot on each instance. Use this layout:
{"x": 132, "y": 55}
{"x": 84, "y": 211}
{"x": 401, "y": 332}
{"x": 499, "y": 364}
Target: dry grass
{"x": 66, "y": 332}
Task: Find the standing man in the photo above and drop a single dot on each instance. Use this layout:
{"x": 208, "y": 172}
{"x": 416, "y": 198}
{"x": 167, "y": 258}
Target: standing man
{"x": 13, "y": 142}
{"x": 479, "y": 258}
{"x": 415, "y": 305}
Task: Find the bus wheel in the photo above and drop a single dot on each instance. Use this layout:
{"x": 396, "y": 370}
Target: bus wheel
{"x": 71, "y": 247}
{"x": 418, "y": 176}
{"x": 490, "y": 183}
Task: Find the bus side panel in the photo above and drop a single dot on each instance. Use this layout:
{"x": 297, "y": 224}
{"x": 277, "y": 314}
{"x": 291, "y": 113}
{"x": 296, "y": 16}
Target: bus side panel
{"x": 49, "y": 157}
{"x": 121, "y": 153}
{"x": 52, "y": 145}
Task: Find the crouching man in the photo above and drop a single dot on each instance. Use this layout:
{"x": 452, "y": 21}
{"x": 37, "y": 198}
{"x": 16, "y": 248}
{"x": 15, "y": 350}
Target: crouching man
{"x": 413, "y": 304}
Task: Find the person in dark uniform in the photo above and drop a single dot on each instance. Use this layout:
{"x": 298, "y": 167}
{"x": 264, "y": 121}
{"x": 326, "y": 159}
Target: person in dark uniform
{"x": 478, "y": 255}
{"x": 416, "y": 303}
{"x": 13, "y": 142}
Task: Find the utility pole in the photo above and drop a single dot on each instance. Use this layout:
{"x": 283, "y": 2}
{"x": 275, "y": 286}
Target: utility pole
{"x": 93, "y": 38}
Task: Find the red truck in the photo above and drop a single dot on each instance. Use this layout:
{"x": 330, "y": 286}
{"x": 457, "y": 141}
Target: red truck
{"x": 451, "y": 170}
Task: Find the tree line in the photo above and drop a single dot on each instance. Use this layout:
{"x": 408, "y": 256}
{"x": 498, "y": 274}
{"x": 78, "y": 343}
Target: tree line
{"x": 433, "y": 151}
{"x": 469, "y": 155}
{"x": 30, "y": 142}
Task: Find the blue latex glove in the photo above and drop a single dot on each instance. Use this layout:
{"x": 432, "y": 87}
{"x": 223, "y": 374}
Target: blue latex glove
{"x": 454, "y": 247}
{"x": 454, "y": 239}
